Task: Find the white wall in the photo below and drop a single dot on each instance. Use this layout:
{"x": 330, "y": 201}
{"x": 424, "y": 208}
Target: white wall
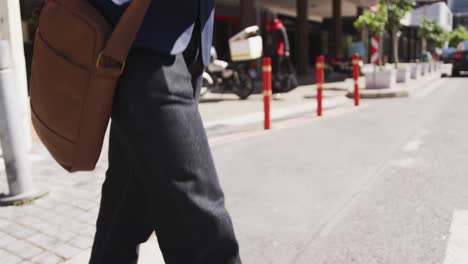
{"x": 438, "y": 11}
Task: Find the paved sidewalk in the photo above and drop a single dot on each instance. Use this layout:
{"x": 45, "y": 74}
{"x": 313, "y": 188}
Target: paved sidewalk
{"x": 60, "y": 227}
{"x": 57, "y": 227}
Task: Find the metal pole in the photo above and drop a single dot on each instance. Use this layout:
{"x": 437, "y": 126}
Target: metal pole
{"x": 13, "y": 136}
{"x": 11, "y": 29}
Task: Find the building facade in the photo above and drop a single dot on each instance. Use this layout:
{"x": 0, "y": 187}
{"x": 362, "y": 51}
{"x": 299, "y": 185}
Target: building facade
{"x": 460, "y": 12}
{"x": 314, "y": 26}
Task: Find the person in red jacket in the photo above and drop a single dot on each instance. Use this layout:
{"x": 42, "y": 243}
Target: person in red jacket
{"x": 276, "y": 46}
{"x": 276, "y": 42}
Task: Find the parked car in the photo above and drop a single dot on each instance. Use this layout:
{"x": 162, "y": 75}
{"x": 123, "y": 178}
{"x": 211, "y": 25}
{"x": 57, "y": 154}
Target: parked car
{"x": 447, "y": 55}
{"x": 460, "y": 62}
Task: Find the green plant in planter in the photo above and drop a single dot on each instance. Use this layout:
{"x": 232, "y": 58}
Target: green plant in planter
{"x": 396, "y": 11}
{"x": 373, "y": 22}
{"x": 433, "y": 34}
{"x": 457, "y": 36}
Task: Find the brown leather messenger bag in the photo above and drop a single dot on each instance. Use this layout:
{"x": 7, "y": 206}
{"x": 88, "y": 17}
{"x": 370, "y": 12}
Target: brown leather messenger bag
{"x": 77, "y": 61}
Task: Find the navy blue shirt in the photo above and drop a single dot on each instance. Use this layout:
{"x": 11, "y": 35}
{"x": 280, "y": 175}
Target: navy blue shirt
{"x": 169, "y": 24}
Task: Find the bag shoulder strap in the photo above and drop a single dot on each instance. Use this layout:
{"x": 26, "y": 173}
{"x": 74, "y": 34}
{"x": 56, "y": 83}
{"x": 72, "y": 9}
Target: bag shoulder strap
{"x": 124, "y": 34}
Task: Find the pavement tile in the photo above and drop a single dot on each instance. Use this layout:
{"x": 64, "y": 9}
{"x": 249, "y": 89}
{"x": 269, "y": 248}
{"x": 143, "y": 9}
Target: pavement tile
{"x": 61, "y": 234}
{"x": 87, "y": 218}
{"x": 67, "y": 251}
{"x": 3, "y": 253}
{"x": 4, "y": 223}
{"x": 6, "y": 239}
{"x": 84, "y": 204}
{"x": 95, "y": 210}
{"x": 10, "y": 259}
{"x": 46, "y": 203}
{"x": 19, "y": 231}
{"x": 56, "y": 219}
{"x": 49, "y": 216}
{"x": 47, "y": 258}
{"x": 36, "y": 210}
{"x": 67, "y": 210}
{"x": 23, "y": 249}
{"x": 83, "y": 257}
{"x": 12, "y": 213}
{"x": 88, "y": 231}
{"x": 29, "y": 209}
{"x": 42, "y": 226}
{"x": 44, "y": 241}
{"x": 82, "y": 242}
{"x": 7, "y": 214}
{"x": 30, "y": 221}
{"x": 73, "y": 226}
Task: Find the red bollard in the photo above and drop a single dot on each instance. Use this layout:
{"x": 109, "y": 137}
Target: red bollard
{"x": 267, "y": 90}
{"x": 356, "y": 71}
{"x": 320, "y": 78}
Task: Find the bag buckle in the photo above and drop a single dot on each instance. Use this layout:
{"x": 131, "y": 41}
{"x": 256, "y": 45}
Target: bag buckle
{"x": 106, "y": 62}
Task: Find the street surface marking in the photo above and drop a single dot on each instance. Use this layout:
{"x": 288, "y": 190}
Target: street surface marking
{"x": 257, "y": 117}
{"x": 326, "y": 115}
{"x": 457, "y": 249}
{"x": 429, "y": 89}
{"x": 282, "y": 125}
{"x": 412, "y": 146}
{"x": 235, "y": 137}
{"x": 403, "y": 163}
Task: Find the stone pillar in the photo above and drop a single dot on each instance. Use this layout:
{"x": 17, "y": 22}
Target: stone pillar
{"x": 360, "y": 12}
{"x": 302, "y": 36}
{"x": 337, "y": 26}
{"x": 247, "y": 13}
{"x": 409, "y": 52}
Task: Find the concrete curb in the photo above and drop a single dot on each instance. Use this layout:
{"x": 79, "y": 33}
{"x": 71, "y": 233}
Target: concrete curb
{"x": 404, "y": 90}
{"x": 276, "y": 114}
{"x": 381, "y": 93}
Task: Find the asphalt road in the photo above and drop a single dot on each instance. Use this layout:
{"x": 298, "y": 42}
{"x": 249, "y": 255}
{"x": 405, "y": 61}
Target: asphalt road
{"x": 382, "y": 183}
{"x": 376, "y": 184}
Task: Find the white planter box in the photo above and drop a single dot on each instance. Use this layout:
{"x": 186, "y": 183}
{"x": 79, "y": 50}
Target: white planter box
{"x": 424, "y": 69}
{"x": 415, "y": 71}
{"x": 381, "y": 79}
{"x": 403, "y": 75}
{"x": 246, "y": 45}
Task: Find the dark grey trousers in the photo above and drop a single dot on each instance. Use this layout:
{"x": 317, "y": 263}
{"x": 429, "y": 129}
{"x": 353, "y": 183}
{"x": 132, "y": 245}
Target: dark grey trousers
{"x": 161, "y": 174}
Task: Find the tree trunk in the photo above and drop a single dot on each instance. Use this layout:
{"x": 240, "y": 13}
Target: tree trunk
{"x": 395, "y": 38}
{"x": 424, "y": 44}
{"x": 365, "y": 38}
{"x": 381, "y": 49}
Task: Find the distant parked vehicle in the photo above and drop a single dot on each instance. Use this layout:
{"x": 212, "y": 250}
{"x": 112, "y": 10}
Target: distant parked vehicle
{"x": 446, "y": 55}
{"x": 460, "y": 62}
{"x": 239, "y": 75}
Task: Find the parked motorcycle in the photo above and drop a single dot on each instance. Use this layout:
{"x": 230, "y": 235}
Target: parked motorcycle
{"x": 239, "y": 75}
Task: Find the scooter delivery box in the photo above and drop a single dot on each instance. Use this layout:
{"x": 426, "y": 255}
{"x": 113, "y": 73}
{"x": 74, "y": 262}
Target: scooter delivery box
{"x": 246, "y": 45}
